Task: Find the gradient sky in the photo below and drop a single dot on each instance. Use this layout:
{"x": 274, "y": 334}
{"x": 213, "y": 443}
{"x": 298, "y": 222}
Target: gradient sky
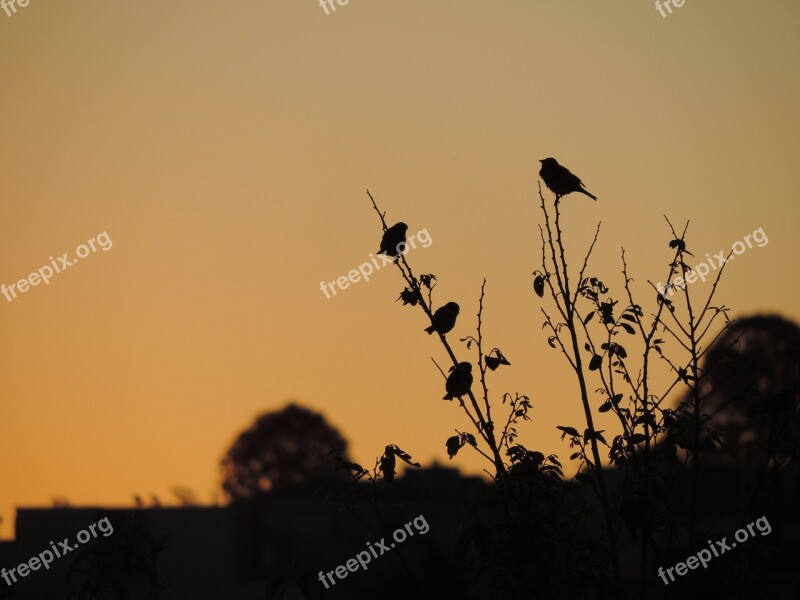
{"x": 226, "y": 148}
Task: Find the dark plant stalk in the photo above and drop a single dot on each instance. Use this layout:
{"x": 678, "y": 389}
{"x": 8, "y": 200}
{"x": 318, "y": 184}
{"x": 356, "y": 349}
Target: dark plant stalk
{"x": 568, "y": 311}
{"x": 483, "y": 424}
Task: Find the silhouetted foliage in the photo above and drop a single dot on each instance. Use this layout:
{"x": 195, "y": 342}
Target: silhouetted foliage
{"x": 123, "y": 566}
{"x": 280, "y": 449}
{"x": 640, "y": 498}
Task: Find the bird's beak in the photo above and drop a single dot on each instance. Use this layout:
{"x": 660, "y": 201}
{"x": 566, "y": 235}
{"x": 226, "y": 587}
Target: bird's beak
{"x": 541, "y": 161}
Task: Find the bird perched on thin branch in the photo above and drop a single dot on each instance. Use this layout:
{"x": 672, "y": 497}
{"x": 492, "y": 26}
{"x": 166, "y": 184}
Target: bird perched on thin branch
{"x": 559, "y": 179}
{"x": 459, "y": 381}
{"x": 393, "y": 238}
{"x": 444, "y": 319}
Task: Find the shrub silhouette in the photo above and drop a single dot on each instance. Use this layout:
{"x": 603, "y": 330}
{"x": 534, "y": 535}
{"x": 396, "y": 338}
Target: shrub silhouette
{"x": 635, "y": 502}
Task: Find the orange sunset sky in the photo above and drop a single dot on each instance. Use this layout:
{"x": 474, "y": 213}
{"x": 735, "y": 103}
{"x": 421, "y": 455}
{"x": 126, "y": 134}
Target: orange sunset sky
{"x": 225, "y": 148}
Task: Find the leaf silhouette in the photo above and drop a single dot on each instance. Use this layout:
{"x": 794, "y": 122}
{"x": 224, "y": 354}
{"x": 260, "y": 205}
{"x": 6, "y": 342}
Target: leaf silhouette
{"x": 404, "y": 456}
{"x": 568, "y": 431}
{"x": 495, "y": 361}
{"x": 387, "y": 464}
{"x": 409, "y": 296}
{"x": 679, "y": 244}
{"x": 453, "y": 445}
{"x": 427, "y": 280}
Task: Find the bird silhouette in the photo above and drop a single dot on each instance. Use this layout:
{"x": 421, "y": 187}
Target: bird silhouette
{"x": 392, "y": 239}
{"x": 444, "y": 319}
{"x": 459, "y": 381}
{"x": 559, "y": 179}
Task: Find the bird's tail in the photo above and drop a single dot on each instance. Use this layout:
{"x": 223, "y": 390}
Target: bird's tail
{"x": 592, "y": 196}
{"x": 430, "y": 329}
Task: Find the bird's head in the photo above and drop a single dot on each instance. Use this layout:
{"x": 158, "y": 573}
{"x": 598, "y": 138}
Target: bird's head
{"x": 400, "y": 226}
{"x": 465, "y": 366}
{"x": 548, "y": 162}
{"x": 452, "y": 307}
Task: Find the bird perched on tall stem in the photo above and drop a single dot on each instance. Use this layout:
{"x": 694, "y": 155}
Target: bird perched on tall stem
{"x": 559, "y": 179}
{"x": 393, "y": 239}
{"x": 444, "y": 319}
{"x": 459, "y": 381}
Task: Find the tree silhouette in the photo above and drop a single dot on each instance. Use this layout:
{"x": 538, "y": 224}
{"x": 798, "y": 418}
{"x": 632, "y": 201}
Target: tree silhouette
{"x": 281, "y": 448}
{"x": 750, "y": 397}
